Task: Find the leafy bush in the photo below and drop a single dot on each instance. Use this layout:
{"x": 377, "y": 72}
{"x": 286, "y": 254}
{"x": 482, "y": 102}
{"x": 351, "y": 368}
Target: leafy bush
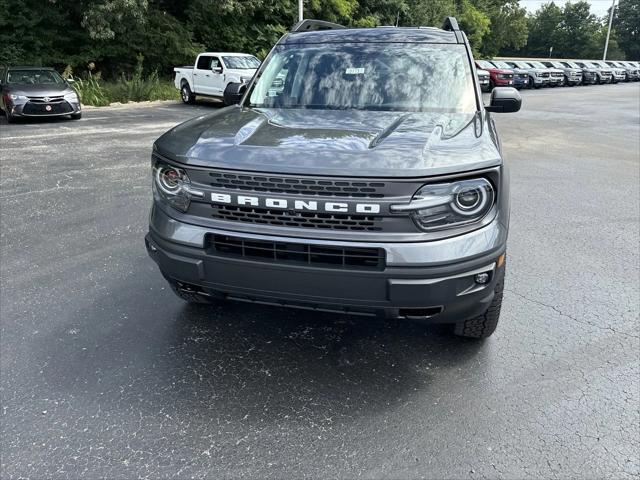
{"x": 91, "y": 92}
{"x": 137, "y": 88}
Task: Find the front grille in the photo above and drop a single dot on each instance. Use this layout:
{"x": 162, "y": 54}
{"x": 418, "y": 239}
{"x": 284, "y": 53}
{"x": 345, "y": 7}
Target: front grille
{"x": 50, "y": 99}
{"x": 297, "y": 186}
{"x": 36, "y": 107}
{"x": 544, "y": 75}
{"x": 356, "y": 258}
{"x": 265, "y": 216}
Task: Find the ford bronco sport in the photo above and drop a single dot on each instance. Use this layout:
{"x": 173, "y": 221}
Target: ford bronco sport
{"x": 358, "y": 173}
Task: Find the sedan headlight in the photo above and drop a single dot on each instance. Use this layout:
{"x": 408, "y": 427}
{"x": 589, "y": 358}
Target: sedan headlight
{"x": 172, "y": 185}
{"x": 14, "y": 96}
{"x": 440, "y": 206}
{"x": 71, "y": 97}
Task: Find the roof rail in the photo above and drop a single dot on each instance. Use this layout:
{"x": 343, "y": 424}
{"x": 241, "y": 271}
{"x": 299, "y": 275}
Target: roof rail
{"x": 451, "y": 24}
{"x": 309, "y": 25}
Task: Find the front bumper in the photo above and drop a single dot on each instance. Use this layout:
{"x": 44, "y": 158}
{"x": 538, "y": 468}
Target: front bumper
{"x": 59, "y": 109}
{"x": 503, "y": 82}
{"x": 543, "y": 81}
{"x": 426, "y": 280}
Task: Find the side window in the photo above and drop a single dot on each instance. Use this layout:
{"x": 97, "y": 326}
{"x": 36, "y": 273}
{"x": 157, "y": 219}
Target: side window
{"x": 215, "y": 63}
{"x": 204, "y": 62}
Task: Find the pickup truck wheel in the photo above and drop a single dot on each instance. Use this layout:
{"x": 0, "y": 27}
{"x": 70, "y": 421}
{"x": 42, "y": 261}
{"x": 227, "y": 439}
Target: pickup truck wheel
{"x": 10, "y": 118}
{"x": 186, "y": 94}
{"x": 485, "y": 324}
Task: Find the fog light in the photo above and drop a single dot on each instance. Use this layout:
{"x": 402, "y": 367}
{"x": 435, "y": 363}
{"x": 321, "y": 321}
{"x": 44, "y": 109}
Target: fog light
{"x": 482, "y": 278}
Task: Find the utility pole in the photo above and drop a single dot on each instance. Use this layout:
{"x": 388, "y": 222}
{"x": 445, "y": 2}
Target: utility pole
{"x": 300, "y": 10}
{"x": 606, "y": 44}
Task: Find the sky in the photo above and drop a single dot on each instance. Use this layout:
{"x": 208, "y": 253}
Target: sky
{"x": 598, "y": 7}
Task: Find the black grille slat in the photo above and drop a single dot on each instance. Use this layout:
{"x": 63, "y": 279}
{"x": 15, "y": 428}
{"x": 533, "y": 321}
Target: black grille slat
{"x": 294, "y": 186}
{"x": 334, "y": 221}
{"x": 32, "y": 108}
{"x": 299, "y": 253}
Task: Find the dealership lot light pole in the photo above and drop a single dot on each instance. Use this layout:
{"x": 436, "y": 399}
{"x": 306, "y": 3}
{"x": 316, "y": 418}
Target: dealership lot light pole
{"x": 300, "y": 7}
{"x": 606, "y": 43}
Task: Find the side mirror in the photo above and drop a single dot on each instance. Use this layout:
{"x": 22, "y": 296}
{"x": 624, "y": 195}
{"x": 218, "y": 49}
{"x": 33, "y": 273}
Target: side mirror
{"x": 234, "y": 92}
{"x": 70, "y": 80}
{"x": 504, "y": 100}
{"x": 216, "y": 69}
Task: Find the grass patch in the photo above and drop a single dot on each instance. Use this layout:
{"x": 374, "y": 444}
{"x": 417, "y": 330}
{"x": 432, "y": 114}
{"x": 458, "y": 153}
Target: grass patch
{"x": 136, "y": 88}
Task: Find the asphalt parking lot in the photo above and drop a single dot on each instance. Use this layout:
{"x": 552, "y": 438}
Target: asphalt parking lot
{"x": 105, "y": 373}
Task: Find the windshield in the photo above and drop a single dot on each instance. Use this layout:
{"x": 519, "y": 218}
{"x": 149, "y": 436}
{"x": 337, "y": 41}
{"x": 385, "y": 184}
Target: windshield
{"x": 522, "y": 65}
{"x": 501, "y": 65}
{"x": 34, "y": 77}
{"x": 538, "y": 65}
{"x": 242, "y": 63}
{"x": 556, "y": 64}
{"x": 484, "y": 64}
{"x": 367, "y": 76}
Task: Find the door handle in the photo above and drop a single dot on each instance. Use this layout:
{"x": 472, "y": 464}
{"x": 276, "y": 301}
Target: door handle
{"x": 206, "y": 75}
{"x": 195, "y": 74}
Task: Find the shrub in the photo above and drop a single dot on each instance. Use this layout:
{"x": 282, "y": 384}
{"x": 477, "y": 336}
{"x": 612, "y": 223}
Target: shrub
{"x": 91, "y": 92}
{"x": 137, "y": 88}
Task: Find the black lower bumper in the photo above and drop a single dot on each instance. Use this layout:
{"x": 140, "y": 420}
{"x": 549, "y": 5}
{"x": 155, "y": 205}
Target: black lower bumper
{"x": 442, "y": 294}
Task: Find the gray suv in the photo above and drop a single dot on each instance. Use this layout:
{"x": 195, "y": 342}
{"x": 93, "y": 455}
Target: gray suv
{"x": 360, "y": 173}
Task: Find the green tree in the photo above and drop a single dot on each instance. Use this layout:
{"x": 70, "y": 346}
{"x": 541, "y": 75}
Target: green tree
{"x": 545, "y": 31}
{"x": 627, "y": 26}
{"x": 508, "y": 26}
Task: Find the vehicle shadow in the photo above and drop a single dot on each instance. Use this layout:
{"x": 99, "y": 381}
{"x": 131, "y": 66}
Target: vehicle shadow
{"x": 35, "y": 120}
{"x": 143, "y": 348}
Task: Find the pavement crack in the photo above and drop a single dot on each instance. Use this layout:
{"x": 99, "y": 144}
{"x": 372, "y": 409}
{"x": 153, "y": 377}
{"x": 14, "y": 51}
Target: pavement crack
{"x": 571, "y": 317}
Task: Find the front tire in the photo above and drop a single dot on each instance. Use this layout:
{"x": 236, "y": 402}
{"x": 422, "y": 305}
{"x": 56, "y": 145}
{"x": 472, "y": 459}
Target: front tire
{"x": 10, "y": 118}
{"x": 76, "y": 116}
{"x": 485, "y": 324}
{"x": 186, "y": 95}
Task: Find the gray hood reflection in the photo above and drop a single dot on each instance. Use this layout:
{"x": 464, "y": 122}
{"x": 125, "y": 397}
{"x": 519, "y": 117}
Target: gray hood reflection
{"x": 333, "y": 142}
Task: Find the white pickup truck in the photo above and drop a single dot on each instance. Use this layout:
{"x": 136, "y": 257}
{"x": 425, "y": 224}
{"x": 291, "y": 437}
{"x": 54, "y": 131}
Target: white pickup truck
{"x": 212, "y": 73}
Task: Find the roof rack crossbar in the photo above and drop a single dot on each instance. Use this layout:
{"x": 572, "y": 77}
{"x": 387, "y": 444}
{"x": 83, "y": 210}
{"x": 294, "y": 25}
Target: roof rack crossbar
{"x": 451, "y": 24}
{"x": 310, "y": 24}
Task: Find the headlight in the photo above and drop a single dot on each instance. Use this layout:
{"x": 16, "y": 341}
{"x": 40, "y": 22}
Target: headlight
{"x": 440, "y": 206}
{"x": 13, "y": 96}
{"x": 71, "y": 97}
{"x": 172, "y": 185}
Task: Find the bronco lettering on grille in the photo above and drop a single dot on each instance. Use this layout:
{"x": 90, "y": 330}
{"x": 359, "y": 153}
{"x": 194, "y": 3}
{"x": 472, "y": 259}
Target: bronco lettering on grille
{"x": 301, "y": 205}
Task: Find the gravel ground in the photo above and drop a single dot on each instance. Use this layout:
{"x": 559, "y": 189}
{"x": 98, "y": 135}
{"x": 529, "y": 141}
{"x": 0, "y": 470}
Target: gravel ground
{"x": 105, "y": 373}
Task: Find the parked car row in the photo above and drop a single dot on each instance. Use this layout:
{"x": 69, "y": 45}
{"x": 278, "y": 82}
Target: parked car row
{"x": 553, "y": 73}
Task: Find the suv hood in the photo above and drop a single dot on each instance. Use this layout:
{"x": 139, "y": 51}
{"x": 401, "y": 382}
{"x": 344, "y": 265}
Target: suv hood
{"x": 333, "y": 142}
{"x": 501, "y": 70}
{"x": 537, "y": 70}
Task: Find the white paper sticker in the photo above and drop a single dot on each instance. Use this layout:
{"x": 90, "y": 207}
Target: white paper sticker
{"x": 354, "y": 71}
